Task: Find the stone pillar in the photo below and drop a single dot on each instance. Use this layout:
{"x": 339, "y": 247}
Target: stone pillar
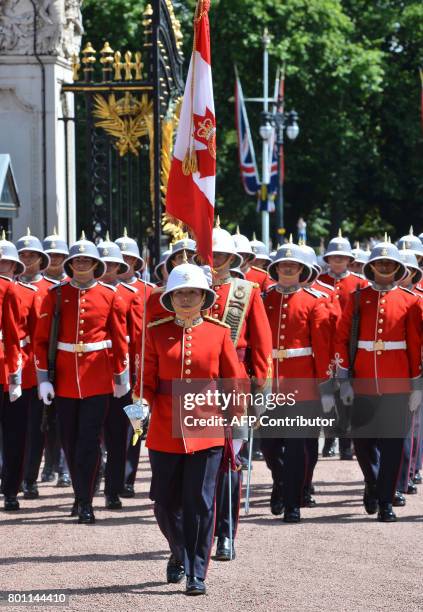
{"x": 32, "y": 106}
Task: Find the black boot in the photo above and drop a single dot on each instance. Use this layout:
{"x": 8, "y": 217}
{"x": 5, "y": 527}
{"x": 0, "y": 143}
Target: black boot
{"x": 399, "y": 500}
{"x": 128, "y": 491}
{"x": 386, "y": 514}
{"x": 175, "y": 570}
{"x": 308, "y": 499}
{"x": 113, "y": 502}
{"x": 370, "y": 500}
{"x": 11, "y": 503}
{"x": 329, "y": 448}
{"x": 223, "y": 549}
{"x": 30, "y": 490}
{"x": 276, "y": 500}
{"x": 195, "y": 586}
{"x": 292, "y": 515}
{"x": 86, "y": 514}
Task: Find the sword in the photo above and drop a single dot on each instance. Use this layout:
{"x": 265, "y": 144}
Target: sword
{"x": 250, "y": 458}
{"x": 231, "y": 536}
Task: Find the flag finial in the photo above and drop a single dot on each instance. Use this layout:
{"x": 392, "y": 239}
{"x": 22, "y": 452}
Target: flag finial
{"x": 82, "y": 235}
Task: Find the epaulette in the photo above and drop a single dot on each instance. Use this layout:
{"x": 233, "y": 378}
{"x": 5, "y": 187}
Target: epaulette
{"x": 62, "y": 284}
{"x": 129, "y": 287}
{"x": 408, "y": 291}
{"x": 160, "y": 321}
{"x": 211, "y": 320}
{"x": 51, "y": 280}
{"x": 258, "y": 269}
{"x": 313, "y": 292}
{"x": 141, "y": 280}
{"x": 158, "y": 290}
{"x": 325, "y": 285}
{"x": 29, "y": 286}
{"x": 106, "y": 285}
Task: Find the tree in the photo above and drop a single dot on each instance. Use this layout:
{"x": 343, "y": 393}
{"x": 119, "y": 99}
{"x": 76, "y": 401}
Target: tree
{"x": 352, "y": 75}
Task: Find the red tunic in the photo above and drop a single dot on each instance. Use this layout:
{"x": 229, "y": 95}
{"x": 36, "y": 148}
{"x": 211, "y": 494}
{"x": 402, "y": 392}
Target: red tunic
{"x": 96, "y": 314}
{"x": 155, "y": 310}
{"x": 344, "y": 286}
{"x": 204, "y": 351}
{"x": 386, "y": 316}
{"x": 299, "y": 320}
{"x": 254, "y": 345}
{"x": 10, "y": 352}
{"x": 134, "y": 302}
{"x": 259, "y": 276}
{"x": 29, "y": 313}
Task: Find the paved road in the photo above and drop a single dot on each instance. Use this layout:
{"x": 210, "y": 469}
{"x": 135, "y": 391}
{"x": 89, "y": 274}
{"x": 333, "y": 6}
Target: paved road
{"x": 337, "y": 559}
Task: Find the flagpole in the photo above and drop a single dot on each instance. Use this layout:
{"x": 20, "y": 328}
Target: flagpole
{"x": 265, "y": 178}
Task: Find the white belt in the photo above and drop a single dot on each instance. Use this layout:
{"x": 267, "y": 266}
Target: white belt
{"x": 295, "y": 352}
{"x": 84, "y": 347}
{"x": 380, "y": 345}
{"x": 24, "y": 341}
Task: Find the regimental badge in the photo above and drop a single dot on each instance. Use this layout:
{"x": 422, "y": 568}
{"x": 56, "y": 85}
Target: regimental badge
{"x": 124, "y": 246}
{"x": 384, "y": 251}
{"x": 288, "y": 253}
{"x": 27, "y": 242}
{"x": 81, "y": 248}
{"x": 53, "y": 245}
{"x": 105, "y": 252}
{"x": 407, "y": 245}
{"x": 186, "y": 276}
{"x": 239, "y": 293}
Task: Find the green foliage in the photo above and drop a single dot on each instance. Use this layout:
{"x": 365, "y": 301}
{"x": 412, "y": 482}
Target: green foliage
{"x": 352, "y": 75}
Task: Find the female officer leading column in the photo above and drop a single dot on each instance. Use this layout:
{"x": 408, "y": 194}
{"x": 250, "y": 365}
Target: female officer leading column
{"x": 185, "y": 347}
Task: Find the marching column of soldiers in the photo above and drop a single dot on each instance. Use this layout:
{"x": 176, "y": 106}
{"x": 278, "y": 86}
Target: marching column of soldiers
{"x": 84, "y": 336}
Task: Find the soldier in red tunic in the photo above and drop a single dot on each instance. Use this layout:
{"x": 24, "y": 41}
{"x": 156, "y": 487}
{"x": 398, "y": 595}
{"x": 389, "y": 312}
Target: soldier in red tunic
{"x": 386, "y": 373}
{"x": 92, "y": 315}
{"x": 301, "y": 328}
{"x": 338, "y": 256}
{"x": 14, "y": 401}
{"x": 185, "y": 469}
{"x": 252, "y": 273}
{"x": 36, "y": 261}
{"x": 238, "y": 304}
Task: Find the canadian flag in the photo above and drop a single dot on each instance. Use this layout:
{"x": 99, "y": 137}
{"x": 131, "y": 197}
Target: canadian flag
{"x": 191, "y": 186}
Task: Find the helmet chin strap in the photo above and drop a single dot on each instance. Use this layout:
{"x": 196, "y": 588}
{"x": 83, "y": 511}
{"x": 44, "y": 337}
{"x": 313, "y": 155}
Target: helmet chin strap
{"x": 385, "y": 275}
{"x": 226, "y": 265}
{"x": 188, "y": 314}
{"x": 83, "y": 276}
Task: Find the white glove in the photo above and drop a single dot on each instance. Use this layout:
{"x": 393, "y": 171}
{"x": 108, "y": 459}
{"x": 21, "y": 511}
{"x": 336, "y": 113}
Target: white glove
{"x": 237, "y": 444}
{"x": 346, "y": 393}
{"x": 328, "y": 402}
{"x": 15, "y": 391}
{"x": 121, "y": 390}
{"x": 46, "y": 392}
{"x": 208, "y": 274}
{"x": 415, "y": 400}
